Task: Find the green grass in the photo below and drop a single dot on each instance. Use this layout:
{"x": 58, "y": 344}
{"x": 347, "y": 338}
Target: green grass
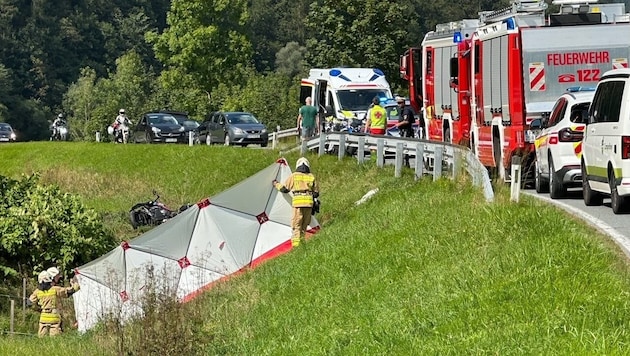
{"x": 421, "y": 268}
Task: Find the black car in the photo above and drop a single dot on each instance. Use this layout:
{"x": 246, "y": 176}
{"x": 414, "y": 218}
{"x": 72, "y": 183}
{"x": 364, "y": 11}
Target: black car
{"x": 189, "y": 124}
{"x": 158, "y": 127}
{"x": 233, "y": 128}
{"x": 6, "y": 133}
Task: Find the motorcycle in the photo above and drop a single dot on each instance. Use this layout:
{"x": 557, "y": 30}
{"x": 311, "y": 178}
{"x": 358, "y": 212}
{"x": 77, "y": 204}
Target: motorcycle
{"x": 152, "y": 213}
{"x": 121, "y": 133}
{"x": 59, "y": 133}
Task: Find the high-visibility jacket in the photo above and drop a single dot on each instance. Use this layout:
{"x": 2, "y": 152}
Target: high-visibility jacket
{"x": 302, "y": 186}
{"x": 378, "y": 117}
{"x": 49, "y": 304}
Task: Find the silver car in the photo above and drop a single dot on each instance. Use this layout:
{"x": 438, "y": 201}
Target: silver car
{"x": 233, "y": 128}
{"x": 6, "y": 133}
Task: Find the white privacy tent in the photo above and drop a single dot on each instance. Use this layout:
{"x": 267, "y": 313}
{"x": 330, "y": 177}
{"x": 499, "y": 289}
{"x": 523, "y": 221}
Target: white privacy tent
{"x": 236, "y": 229}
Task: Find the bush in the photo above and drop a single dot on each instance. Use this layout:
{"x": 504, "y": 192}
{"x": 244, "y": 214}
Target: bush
{"x": 42, "y": 226}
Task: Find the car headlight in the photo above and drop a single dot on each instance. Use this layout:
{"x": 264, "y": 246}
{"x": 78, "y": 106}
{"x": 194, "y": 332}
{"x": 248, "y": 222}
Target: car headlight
{"x": 182, "y": 129}
{"x": 263, "y": 131}
{"x": 13, "y": 136}
{"x": 155, "y": 129}
{"x": 238, "y": 131}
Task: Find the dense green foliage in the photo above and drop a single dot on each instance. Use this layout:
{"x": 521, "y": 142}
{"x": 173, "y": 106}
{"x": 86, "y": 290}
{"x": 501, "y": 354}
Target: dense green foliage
{"x": 88, "y": 59}
{"x": 42, "y": 226}
{"x": 421, "y": 268}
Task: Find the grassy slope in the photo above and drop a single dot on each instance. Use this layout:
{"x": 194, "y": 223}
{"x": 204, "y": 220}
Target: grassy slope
{"x": 422, "y": 268}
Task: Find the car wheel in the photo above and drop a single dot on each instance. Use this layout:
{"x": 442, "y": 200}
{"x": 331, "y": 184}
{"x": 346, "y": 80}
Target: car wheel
{"x": 542, "y": 186}
{"x": 556, "y": 188}
{"x": 148, "y": 137}
{"x": 264, "y": 144}
{"x": 227, "y": 140}
{"x": 617, "y": 203}
{"x": 591, "y": 198}
{"x": 208, "y": 139}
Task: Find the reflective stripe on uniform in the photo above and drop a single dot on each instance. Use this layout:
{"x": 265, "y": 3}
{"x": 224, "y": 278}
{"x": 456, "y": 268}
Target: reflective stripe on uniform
{"x": 303, "y": 190}
{"x": 47, "y": 300}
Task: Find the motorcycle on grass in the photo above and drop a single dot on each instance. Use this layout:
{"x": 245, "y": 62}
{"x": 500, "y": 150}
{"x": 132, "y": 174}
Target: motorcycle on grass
{"x": 152, "y": 213}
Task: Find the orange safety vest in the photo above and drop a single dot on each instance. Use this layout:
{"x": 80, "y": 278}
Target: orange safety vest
{"x": 378, "y": 117}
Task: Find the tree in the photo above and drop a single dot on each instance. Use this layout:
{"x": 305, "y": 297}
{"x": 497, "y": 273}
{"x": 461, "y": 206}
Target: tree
{"x": 205, "y": 42}
{"x": 357, "y": 33}
{"x": 290, "y": 59}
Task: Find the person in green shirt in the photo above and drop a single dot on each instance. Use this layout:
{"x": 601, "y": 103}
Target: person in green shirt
{"x": 307, "y": 120}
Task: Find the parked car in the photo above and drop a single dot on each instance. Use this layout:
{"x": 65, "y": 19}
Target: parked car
{"x": 559, "y": 143}
{"x": 158, "y": 127}
{"x": 233, "y": 128}
{"x": 188, "y": 123}
{"x": 6, "y": 133}
{"x": 606, "y": 145}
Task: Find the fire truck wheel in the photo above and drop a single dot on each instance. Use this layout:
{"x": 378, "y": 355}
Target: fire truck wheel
{"x": 542, "y": 186}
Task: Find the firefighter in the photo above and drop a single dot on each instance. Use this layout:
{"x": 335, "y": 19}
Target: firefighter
{"x": 377, "y": 118}
{"x": 46, "y": 299}
{"x": 305, "y": 190}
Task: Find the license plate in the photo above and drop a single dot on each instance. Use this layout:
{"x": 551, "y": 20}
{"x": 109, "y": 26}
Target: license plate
{"x": 253, "y": 136}
{"x": 4, "y": 139}
{"x": 171, "y": 140}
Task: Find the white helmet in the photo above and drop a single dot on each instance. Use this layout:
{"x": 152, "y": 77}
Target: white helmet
{"x": 60, "y": 116}
{"x": 44, "y": 277}
{"x": 121, "y": 111}
{"x": 110, "y": 130}
{"x": 53, "y": 271}
{"x": 302, "y": 161}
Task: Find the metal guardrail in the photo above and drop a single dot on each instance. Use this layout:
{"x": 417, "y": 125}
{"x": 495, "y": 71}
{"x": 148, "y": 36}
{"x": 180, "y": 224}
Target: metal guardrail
{"x": 275, "y": 136}
{"x": 437, "y": 158}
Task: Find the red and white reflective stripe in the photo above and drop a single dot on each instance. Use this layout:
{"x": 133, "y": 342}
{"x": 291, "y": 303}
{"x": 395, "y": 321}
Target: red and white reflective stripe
{"x": 619, "y": 63}
{"x": 537, "y": 76}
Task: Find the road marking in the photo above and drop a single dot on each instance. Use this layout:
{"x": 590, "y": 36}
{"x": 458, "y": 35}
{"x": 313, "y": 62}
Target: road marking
{"x": 620, "y": 239}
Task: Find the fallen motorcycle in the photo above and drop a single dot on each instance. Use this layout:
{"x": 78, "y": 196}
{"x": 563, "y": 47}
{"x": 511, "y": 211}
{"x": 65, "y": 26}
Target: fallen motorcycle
{"x": 152, "y": 213}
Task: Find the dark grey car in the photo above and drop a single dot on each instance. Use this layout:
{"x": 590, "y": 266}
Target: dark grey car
{"x": 6, "y": 133}
{"x": 158, "y": 127}
{"x": 233, "y": 128}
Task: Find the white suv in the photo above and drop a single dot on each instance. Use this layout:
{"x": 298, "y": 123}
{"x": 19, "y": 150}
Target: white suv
{"x": 606, "y": 157}
{"x": 559, "y": 144}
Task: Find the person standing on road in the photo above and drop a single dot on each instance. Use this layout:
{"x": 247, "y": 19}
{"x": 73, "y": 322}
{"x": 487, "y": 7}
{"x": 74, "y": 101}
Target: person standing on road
{"x": 307, "y": 120}
{"x": 305, "y": 189}
{"x": 376, "y": 118}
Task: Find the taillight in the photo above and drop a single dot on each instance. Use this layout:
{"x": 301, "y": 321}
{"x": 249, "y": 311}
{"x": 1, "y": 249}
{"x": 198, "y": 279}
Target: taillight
{"x": 625, "y": 147}
{"x": 568, "y": 135}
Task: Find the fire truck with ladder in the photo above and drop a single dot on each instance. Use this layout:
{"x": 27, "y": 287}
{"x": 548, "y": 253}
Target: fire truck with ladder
{"x": 481, "y": 82}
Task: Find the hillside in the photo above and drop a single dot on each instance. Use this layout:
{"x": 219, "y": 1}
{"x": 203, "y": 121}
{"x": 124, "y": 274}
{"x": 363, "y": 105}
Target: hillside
{"x": 421, "y": 268}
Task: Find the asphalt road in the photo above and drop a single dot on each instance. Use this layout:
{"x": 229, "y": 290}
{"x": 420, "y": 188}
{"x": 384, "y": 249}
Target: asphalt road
{"x": 601, "y": 217}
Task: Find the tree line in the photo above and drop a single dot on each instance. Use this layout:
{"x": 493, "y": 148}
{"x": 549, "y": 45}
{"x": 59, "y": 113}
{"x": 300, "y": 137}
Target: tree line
{"x": 87, "y": 59}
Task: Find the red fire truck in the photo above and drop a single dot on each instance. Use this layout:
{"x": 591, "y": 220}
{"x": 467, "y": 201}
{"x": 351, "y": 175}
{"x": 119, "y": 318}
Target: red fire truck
{"x": 481, "y": 82}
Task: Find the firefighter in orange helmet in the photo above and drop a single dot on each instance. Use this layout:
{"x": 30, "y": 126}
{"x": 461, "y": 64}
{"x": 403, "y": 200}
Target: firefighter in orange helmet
{"x": 46, "y": 299}
{"x": 304, "y": 189}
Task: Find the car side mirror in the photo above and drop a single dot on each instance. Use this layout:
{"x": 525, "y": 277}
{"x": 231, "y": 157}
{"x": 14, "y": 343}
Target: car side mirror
{"x": 536, "y": 124}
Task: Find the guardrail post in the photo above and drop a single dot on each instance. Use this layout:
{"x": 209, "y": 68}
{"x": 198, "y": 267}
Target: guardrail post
{"x": 399, "y": 159}
{"x": 457, "y": 163}
{"x": 361, "y": 150}
{"x": 380, "y": 153}
{"x": 342, "y": 146}
{"x": 23, "y": 299}
{"x": 274, "y": 139}
{"x": 191, "y": 141}
{"x": 304, "y": 147}
{"x": 98, "y": 136}
{"x": 515, "y": 188}
{"x": 437, "y": 164}
{"x": 419, "y": 160}
{"x": 322, "y": 143}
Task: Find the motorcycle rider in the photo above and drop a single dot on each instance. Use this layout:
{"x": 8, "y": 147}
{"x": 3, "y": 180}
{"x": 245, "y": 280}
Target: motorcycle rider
{"x": 58, "y": 122}
{"x": 120, "y": 123}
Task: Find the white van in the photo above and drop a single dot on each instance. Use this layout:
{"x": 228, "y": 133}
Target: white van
{"x": 606, "y": 144}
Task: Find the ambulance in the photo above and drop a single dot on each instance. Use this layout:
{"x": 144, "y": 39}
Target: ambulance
{"x": 344, "y": 93}
{"x": 481, "y": 82}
